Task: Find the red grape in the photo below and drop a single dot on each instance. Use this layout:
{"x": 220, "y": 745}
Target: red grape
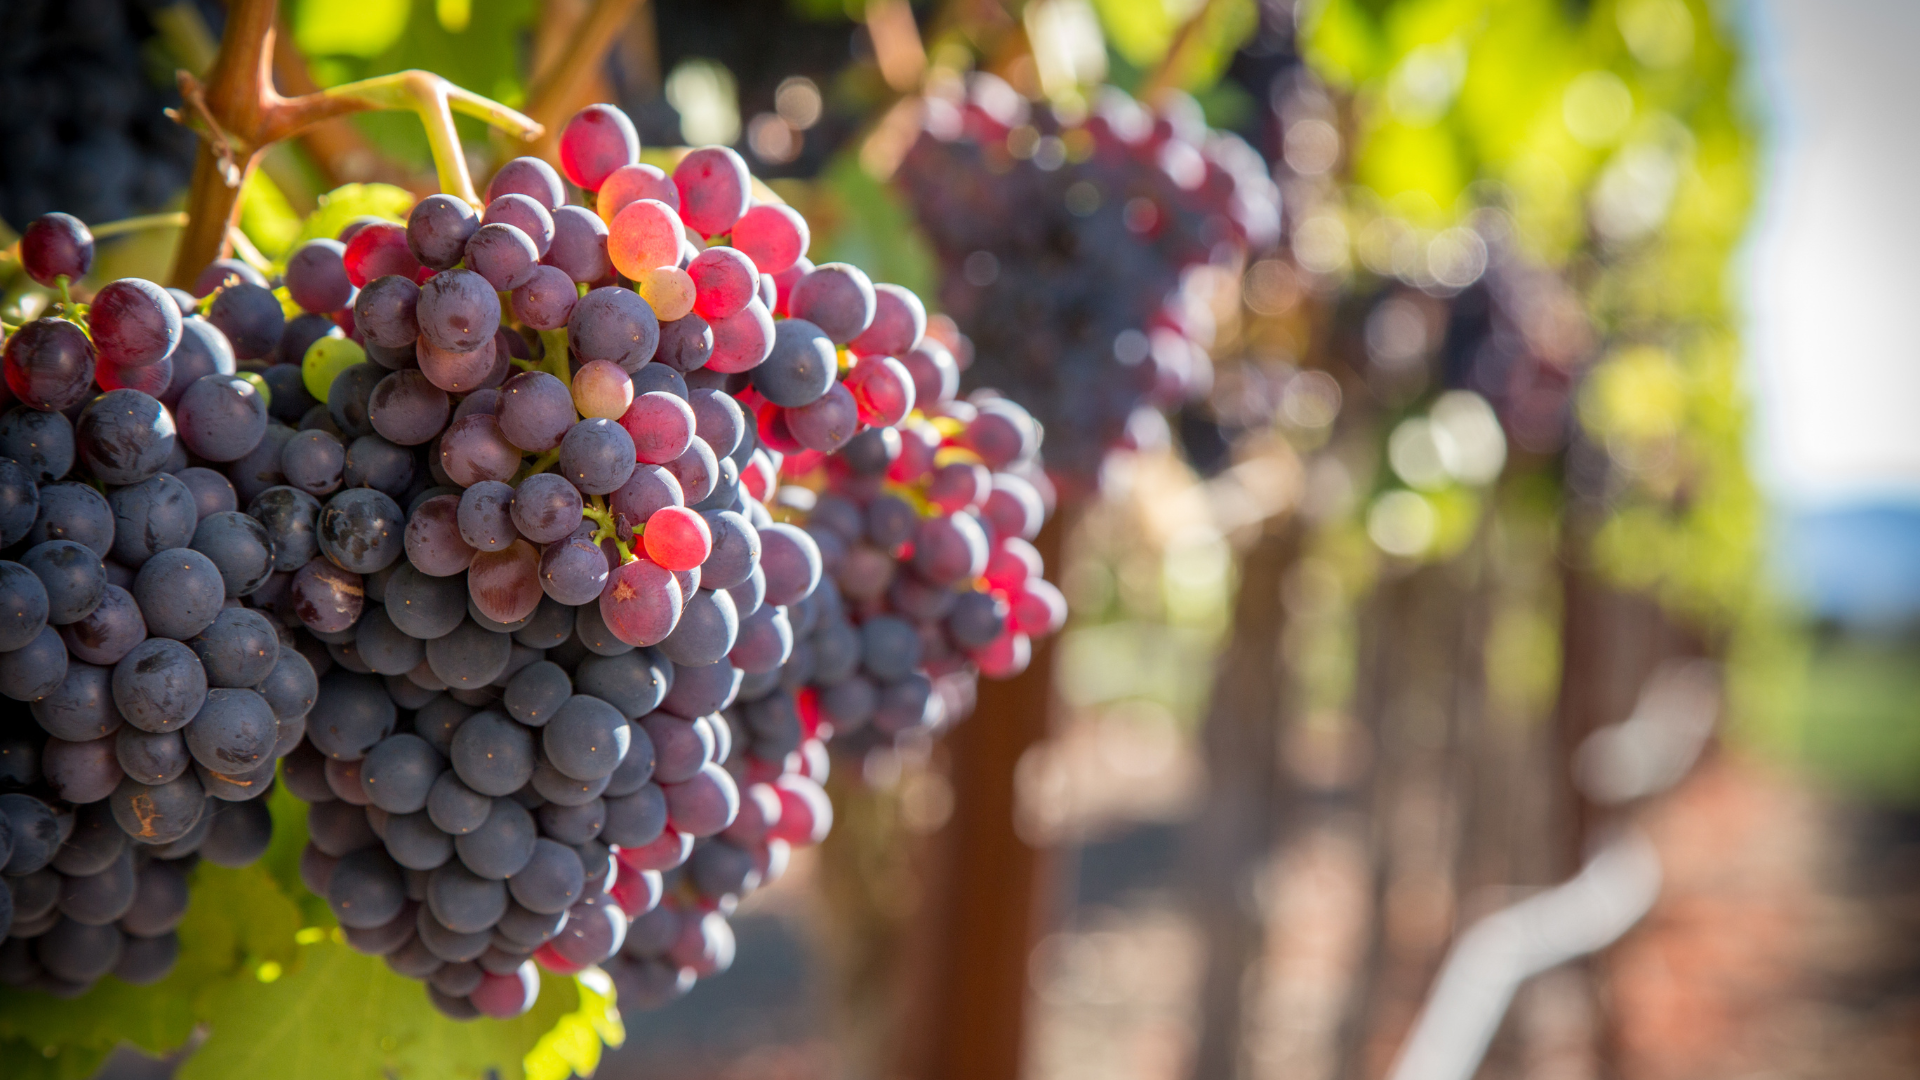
{"x": 724, "y": 281}
{"x": 505, "y": 584}
{"x": 473, "y": 449}
{"x": 882, "y": 388}
{"x": 662, "y": 426}
{"x": 772, "y": 235}
{"x": 714, "y": 189}
{"x": 629, "y": 183}
{"x": 56, "y": 246}
{"x": 49, "y": 365}
{"x": 598, "y": 140}
{"x": 643, "y": 235}
{"x": 678, "y": 538}
{"x": 377, "y": 249}
{"x": 742, "y": 341}
{"x": 641, "y": 603}
{"x": 899, "y": 322}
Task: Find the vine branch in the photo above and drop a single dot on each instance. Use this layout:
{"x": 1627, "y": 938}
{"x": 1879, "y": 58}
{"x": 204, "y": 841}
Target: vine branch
{"x": 238, "y": 114}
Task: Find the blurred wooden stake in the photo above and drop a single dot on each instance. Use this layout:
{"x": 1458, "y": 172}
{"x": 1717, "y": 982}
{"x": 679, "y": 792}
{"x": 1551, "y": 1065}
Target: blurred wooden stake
{"x": 998, "y": 895}
{"x": 1230, "y": 842}
{"x": 896, "y": 43}
{"x": 570, "y": 59}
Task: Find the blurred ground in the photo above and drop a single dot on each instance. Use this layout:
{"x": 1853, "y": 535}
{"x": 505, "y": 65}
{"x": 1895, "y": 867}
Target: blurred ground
{"x": 1784, "y": 946}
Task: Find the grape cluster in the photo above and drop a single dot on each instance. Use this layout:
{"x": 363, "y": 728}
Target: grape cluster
{"x": 157, "y": 703}
{"x": 513, "y": 502}
{"x": 1064, "y": 243}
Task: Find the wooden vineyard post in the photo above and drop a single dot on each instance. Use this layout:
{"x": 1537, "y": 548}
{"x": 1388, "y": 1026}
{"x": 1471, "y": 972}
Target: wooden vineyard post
{"x": 996, "y": 892}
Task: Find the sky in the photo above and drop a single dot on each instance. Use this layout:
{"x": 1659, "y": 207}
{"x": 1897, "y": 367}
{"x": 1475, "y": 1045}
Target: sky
{"x": 1833, "y": 272}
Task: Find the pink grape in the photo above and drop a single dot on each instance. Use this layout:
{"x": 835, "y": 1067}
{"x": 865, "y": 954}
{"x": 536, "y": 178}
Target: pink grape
{"x": 505, "y": 584}
{"x": 1006, "y": 656}
{"x": 742, "y": 341}
{"x": 678, "y": 538}
{"x": 598, "y": 140}
{"x": 630, "y": 183}
{"x": 504, "y": 997}
{"x": 1012, "y": 564}
{"x": 724, "y": 280}
{"x": 899, "y": 322}
{"x": 827, "y": 422}
{"x": 457, "y": 372}
{"x": 545, "y": 300}
{"x": 531, "y": 177}
{"x": 785, "y": 280}
{"x": 772, "y": 235}
{"x": 525, "y": 213}
{"x": 643, "y": 235}
{"x": 662, "y": 426}
{"x": 669, "y": 290}
{"x": 433, "y": 542}
{"x": 473, "y": 449}
{"x": 641, "y": 603}
{"x": 882, "y": 388}
{"x": 1039, "y": 609}
{"x": 806, "y": 814}
{"x": 602, "y": 388}
{"x": 535, "y": 411}
{"x": 714, "y": 189}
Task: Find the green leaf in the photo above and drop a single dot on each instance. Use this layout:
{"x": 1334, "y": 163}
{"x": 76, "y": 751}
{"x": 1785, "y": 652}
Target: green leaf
{"x": 23, "y": 1060}
{"x": 236, "y": 921}
{"x": 344, "y": 1016}
{"x": 572, "y": 1047}
{"x": 350, "y": 27}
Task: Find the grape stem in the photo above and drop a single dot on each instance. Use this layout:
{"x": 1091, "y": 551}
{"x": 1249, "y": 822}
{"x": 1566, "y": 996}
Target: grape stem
{"x": 66, "y": 294}
{"x": 596, "y": 511}
{"x": 173, "y": 220}
{"x": 239, "y": 114}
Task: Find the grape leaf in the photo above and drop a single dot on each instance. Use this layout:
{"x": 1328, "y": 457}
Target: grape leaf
{"x": 23, "y": 1060}
{"x": 236, "y": 921}
{"x": 344, "y": 1016}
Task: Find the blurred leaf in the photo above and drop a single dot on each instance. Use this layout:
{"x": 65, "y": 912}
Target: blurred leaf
{"x": 362, "y": 28}
{"x": 266, "y": 216}
{"x": 485, "y": 56}
{"x": 23, "y": 1060}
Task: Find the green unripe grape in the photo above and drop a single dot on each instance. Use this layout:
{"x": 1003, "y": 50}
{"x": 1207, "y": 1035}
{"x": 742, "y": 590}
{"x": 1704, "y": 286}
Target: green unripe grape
{"x": 324, "y": 362}
{"x": 260, "y": 385}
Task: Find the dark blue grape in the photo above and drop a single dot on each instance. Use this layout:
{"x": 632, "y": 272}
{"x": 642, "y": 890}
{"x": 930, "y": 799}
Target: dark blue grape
{"x": 250, "y": 316}
{"x": 386, "y": 311}
{"x": 586, "y": 739}
{"x": 502, "y": 845}
{"x": 438, "y": 230}
{"x": 290, "y": 517}
{"x": 221, "y": 417}
{"x": 240, "y": 547}
{"x": 72, "y": 576}
{"x": 801, "y": 366}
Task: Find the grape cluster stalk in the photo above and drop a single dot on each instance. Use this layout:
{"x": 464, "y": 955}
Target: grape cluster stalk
{"x": 511, "y": 539}
{"x": 1065, "y": 243}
